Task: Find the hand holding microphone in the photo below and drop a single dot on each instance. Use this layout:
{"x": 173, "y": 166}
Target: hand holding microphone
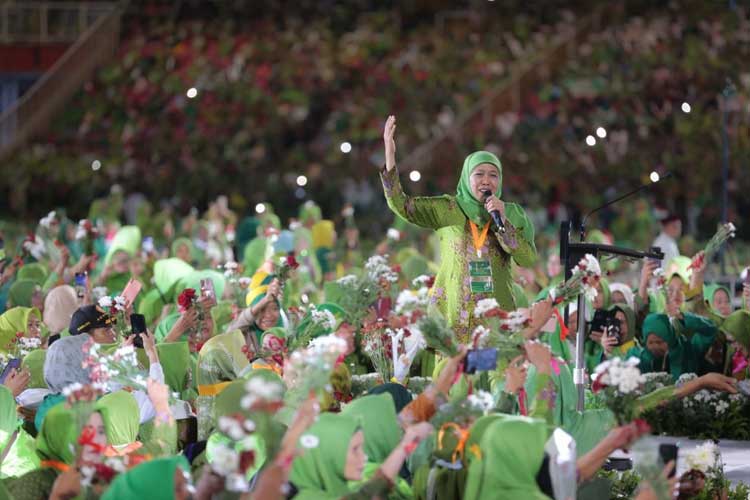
{"x": 496, "y": 208}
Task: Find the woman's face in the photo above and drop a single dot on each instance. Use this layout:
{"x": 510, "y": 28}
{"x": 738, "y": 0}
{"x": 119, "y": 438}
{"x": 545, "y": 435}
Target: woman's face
{"x": 121, "y": 263}
{"x": 656, "y": 346}
{"x": 95, "y": 425}
{"x": 183, "y": 253}
{"x": 623, "y": 324}
{"x": 269, "y": 316}
{"x": 105, "y": 335}
{"x": 573, "y": 324}
{"x": 484, "y": 177}
{"x": 273, "y": 343}
{"x": 355, "y": 457}
{"x": 33, "y": 327}
{"x": 136, "y": 267}
{"x": 722, "y": 303}
{"x": 618, "y": 298}
{"x": 676, "y": 291}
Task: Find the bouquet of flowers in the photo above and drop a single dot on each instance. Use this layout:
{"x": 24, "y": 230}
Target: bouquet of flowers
{"x": 119, "y": 368}
{"x": 88, "y": 234}
{"x": 305, "y": 325}
{"x": 620, "y": 382}
{"x": 235, "y": 455}
{"x": 115, "y": 307}
{"x": 309, "y": 370}
{"x": 34, "y": 247}
{"x": 187, "y": 300}
{"x": 584, "y": 279}
{"x": 437, "y": 334}
{"x": 287, "y": 264}
{"x": 379, "y": 271}
{"x": 239, "y": 284}
{"x": 502, "y": 330}
{"x": 723, "y": 234}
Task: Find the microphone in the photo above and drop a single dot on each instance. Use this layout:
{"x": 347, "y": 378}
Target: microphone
{"x": 495, "y": 214}
{"x": 654, "y": 177}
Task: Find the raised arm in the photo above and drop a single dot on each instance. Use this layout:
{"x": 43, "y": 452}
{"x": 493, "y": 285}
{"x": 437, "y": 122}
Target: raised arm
{"x": 430, "y": 212}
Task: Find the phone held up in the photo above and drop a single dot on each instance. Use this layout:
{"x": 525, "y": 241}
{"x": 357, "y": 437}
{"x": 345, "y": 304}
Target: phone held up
{"x": 480, "y": 360}
{"x": 13, "y": 364}
{"x": 138, "y": 326}
{"x": 80, "y": 284}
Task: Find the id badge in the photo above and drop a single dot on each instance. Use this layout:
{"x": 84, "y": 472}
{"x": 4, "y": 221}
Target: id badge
{"x": 480, "y": 274}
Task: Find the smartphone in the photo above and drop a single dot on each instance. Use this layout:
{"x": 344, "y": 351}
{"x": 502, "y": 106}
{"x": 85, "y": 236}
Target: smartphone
{"x": 208, "y": 291}
{"x": 480, "y": 360}
{"x": 614, "y": 329}
{"x": 13, "y": 364}
{"x": 80, "y": 284}
{"x": 131, "y": 290}
{"x": 138, "y": 326}
{"x": 669, "y": 452}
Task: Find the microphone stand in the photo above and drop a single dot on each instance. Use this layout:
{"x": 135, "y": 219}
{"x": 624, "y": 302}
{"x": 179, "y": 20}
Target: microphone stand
{"x": 570, "y": 255}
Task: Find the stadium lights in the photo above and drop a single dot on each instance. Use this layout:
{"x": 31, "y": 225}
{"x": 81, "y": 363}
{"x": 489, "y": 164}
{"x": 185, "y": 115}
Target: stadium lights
{"x": 414, "y": 175}
{"x": 301, "y": 180}
{"x": 96, "y": 165}
{"x": 260, "y": 208}
{"x": 590, "y": 140}
{"x": 686, "y": 107}
{"x": 654, "y": 176}
{"x": 345, "y": 147}
{"x": 192, "y": 92}
{"x": 601, "y": 133}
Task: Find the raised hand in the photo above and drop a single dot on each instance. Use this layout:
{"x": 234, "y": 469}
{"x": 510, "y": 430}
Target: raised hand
{"x": 390, "y": 144}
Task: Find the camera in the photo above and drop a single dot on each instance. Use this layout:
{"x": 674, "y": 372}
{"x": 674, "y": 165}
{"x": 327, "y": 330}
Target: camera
{"x": 606, "y": 321}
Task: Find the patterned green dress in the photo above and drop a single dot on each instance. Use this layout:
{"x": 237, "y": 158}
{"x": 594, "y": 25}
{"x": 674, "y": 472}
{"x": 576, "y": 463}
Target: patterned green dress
{"x": 452, "y": 293}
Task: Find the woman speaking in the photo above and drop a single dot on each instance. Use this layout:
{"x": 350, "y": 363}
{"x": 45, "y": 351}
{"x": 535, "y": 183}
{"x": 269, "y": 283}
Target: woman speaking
{"x": 474, "y": 265}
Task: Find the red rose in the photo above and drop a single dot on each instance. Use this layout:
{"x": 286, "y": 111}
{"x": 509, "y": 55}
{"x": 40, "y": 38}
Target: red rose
{"x": 247, "y": 460}
{"x": 186, "y": 298}
{"x": 396, "y": 268}
{"x": 291, "y": 261}
{"x": 597, "y": 385}
{"x": 430, "y": 281}
{"x": 104, "y": 472}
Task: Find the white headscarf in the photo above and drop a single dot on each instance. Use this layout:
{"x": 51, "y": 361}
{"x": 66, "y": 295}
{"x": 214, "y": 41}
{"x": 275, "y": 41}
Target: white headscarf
{"x": 625, "y": 291}
{"x": 59, "y": 305}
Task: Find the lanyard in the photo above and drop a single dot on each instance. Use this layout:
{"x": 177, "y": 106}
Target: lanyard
{"x": 479, "y": 239}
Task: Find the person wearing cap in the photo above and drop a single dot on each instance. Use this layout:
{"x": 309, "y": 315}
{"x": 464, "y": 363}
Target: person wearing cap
{"x": 671, "y": 229}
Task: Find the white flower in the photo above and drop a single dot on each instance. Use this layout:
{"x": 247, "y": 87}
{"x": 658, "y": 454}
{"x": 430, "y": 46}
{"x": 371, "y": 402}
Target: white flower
{"x": 323, "y": 318}
{"x": 330, "y": 344}
{"x": 116, "y": 464}
{"x": 309, "y": 441}
{"x": 48, "y": 220}
{"x": 87, "y": 475}
{"x": 703, "y": 457}
{"x": 105, "y": 302}
{"x": 393, "y": 234}
{"x": 730, "y": 227}
{"x": 421, "y": 280}
{"x": 71, "y": 389}
{"x": 480, "y": 336}
{"x": 225, "y": 460}
{"x": 407, "y": 301}
{"x": 231, "y": 427}
{"x": 590, "y": 293}
{"x": 348, "y": 280}
{"x": 244, "y": 282}
{"x": 591, "y": 265}
{"x": 120, "y": 302}
{"x": 481, "y": 400}
{"x": 264, "y": 389}
{"x": 721, "y": 407}
{"x": 378, "y": 269}
{"x": 231, "y": 266}
{"x": 484, "y": 306}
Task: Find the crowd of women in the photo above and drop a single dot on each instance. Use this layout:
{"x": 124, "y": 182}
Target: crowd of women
{"x": 220, "y": 400}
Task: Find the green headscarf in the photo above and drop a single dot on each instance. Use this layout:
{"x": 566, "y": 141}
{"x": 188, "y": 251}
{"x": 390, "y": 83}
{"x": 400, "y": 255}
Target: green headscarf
{"x": 319, "y": 473}
{"x": 34, "y": 272}
{"x": 58, "y": 435}
{"x": 708, "y": 293}
{"x": 629, "y": 318}
{"x": 165, "y": 325}
{"x": 658, "y": 324}
{"x": 679, "y": 266}
{"x": 21, "y": 292}
{"x": 512, "y": 454}
{"x": 379, "y": 423}
{"x": 221, "y": 314}
{"x": 176, "y": 362}
{"x": 34, "y": 362}
{"x": 121, "y": 417}
{"x": 606, "y": 293}
{"x": 127, "y": 239}
{"x": 153, "y": 480}
{"x": 471, "y": 207}
{"x": 309, "y": 212}
{"x": 167, "y": 273}
{"x": 21, "y": 457}
{"x": 176, "y": 244}
{"x": 13, "y": 321}
{"x": 737, "y": 325}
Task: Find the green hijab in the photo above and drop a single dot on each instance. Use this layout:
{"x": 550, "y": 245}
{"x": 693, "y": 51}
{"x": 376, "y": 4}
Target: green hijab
{"x": 21, "y": 292}
{"x": 471, "y": 207}
{"x": 319, "y": 472}
{"x": 629, "y": 318}
{"x": 512, "y": 454}
{"x": 58, "y": 435}
{"x": 680, "y": 266}
{"x": 165, "y": 325}
{"x": 659, "y": 325}
{"x": 309, "y": 212}
{"x": 34, "y": 272}
{"x": 377, "y": 414}
{"x": 21, "y": 457}
{"x": 221, "y": 314}
{"x": 176, "y": 244}
{"x": 13, "y": 321}
{"x": 175, "y": 361}
{"x": 121, "y": 417}
{"x": 127, "y": 239}
{"x": 167, "y": 272}
{"x": 737, "y": 325}
{"x": 34, "y": 362}
{"x": 708, "y": 293}
{"x": 153, "y": 480}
